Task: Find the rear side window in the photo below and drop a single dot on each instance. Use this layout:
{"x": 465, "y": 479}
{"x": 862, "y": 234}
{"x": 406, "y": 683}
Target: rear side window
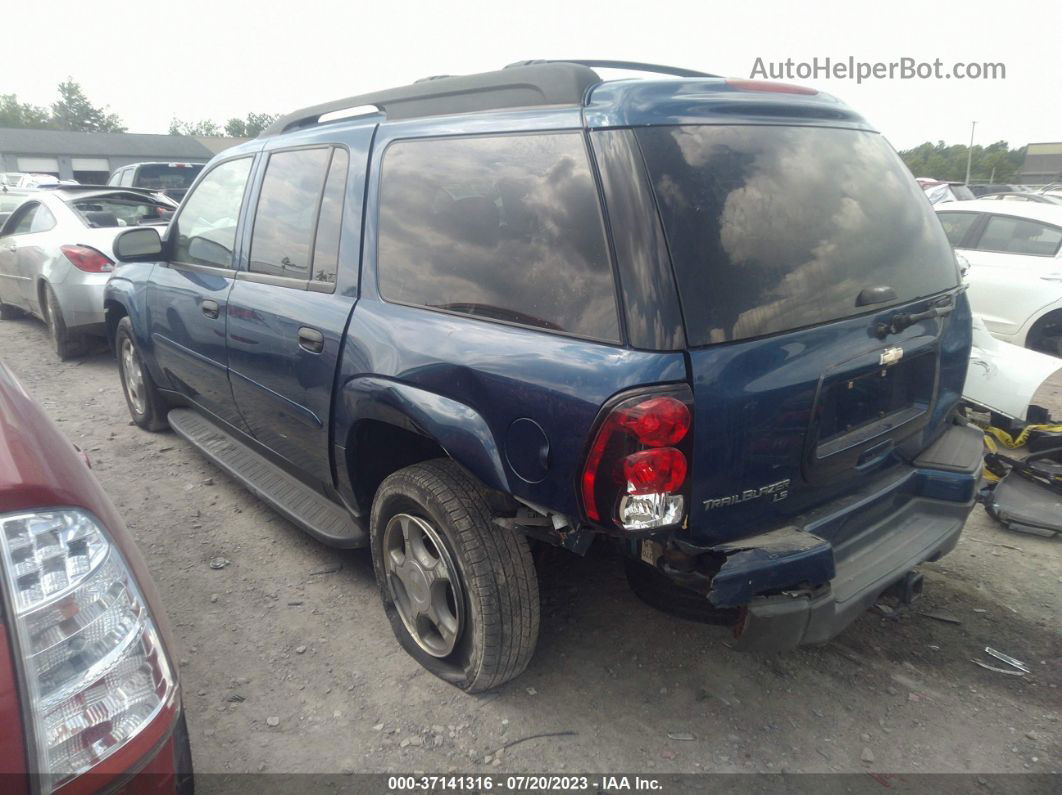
{"x": 1020, "y": 236}
{"x": 206, "y": 226}
{"x": 957, "y": 225}
{"x": 774, "y": 228}
{"x": 299, "y": 215}
{"x": 501, "y": 227}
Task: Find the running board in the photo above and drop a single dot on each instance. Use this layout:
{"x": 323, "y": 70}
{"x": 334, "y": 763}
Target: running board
{"x": 327, "y": 521}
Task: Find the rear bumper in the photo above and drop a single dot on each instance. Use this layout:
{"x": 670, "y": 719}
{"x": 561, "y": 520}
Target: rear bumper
{"x": 804, "y": 583}
{"x": 924, "y": 531}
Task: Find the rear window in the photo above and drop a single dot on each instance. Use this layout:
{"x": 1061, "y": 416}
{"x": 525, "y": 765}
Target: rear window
{"x": 163, "y": 176}
{"x": 777, "y": 228}
{"x": 500, "y": 227}
{"x": 99, "y": 212}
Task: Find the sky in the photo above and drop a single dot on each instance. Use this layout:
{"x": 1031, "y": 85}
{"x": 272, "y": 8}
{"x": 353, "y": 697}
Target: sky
{"x": 213, "y": 60}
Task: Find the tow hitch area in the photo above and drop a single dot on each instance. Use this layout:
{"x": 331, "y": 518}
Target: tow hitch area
{"x": 908, "y": 589}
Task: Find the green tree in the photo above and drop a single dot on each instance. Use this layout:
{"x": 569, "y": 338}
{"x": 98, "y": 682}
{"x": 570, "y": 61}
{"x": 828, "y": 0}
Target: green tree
{"x": 996, "y": 162}
{"x": 250, "y": 127}
{"x": 21, "y": 114}
{"x": 73, "y": 111}
{"x": 204, "y": 127}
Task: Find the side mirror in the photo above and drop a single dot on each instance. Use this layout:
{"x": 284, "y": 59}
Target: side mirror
{"x": 964, "y": 264}
{"x": 142, "y": 244}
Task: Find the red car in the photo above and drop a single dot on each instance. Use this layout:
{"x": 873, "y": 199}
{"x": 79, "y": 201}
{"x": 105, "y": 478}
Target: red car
{"x": 89, "y": 693}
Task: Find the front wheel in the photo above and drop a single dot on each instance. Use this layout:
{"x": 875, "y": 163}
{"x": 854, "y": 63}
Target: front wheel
{"x": 146, "y": 404}
{"x": 461, "y": 593}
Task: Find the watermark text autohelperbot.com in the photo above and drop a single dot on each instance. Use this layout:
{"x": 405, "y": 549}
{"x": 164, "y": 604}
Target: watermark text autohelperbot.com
{"x": 852, "y": 69}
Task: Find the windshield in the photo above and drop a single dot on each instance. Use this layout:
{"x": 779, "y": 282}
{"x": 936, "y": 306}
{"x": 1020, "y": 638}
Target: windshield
{"x": 106, "y": 212}
{"x": 165, "y": 176}
{"x": 777, "y": 228}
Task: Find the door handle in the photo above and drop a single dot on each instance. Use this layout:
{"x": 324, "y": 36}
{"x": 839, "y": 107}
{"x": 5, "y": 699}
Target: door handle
{"x": 310, "y": 339}
{"x": 210, "y": 308}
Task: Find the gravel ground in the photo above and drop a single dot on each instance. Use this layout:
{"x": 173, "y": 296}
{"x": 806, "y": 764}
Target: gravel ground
{"x": 289, "y": 665}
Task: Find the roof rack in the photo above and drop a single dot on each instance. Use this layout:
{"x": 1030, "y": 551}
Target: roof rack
{"x": 519, "y": 85}
{"x": 633, "y": 66}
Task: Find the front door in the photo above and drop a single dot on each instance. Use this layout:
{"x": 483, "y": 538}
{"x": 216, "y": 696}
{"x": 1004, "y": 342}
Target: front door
{"x": 288, "y": 311}
{"x": 188, "y": 294}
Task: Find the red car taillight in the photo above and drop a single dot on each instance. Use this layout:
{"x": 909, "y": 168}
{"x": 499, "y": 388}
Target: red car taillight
{"x": 99, "y": 689}
{"x": 636, "y": 471}
{"x": 86, "y": 258}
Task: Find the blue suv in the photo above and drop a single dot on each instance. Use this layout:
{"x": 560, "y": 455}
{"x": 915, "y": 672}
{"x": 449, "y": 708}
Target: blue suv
{"x": 711, "y": 321}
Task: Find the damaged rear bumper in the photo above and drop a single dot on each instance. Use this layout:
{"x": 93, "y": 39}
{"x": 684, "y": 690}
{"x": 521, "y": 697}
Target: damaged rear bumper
{"x": 804, "y": 583}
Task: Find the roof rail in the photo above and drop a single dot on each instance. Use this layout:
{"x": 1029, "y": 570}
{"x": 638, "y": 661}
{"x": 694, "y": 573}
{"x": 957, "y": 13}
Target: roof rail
{"x": 634, "y": 66}
{"x": 519, "y": 87}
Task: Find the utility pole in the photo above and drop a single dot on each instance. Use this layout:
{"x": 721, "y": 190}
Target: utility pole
{"x": 969, "y": 152}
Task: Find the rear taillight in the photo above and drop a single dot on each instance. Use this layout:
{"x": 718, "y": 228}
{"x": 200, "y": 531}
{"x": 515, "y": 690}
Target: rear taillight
{"x": 86, "y": 258}
{"x": 95, "y": 673}
{"x": 636, "y": 471}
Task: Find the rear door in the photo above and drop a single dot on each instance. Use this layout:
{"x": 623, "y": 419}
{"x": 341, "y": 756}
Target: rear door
{"x": 289, "y": 307}
{"x": 188, "y": 295}
{"x": 791, "y": 247}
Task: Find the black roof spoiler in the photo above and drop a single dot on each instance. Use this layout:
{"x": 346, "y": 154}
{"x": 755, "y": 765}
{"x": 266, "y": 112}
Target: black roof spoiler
{"x": 520, "y": 85}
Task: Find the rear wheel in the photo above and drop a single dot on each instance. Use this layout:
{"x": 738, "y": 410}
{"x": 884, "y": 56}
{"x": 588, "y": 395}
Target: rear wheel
{"x": 1046, "y": 335}
{"x": 656, "y": 590}
{"x": 66, "y": 344}
{"x": 146, "y": 404}
{"x": 460, "y": 593}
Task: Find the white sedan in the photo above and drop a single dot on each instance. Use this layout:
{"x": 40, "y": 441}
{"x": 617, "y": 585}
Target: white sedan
{"x": 1015, "y": 273}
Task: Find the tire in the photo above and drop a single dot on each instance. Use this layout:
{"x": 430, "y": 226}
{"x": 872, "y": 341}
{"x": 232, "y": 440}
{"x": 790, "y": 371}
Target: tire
{"x": 492, "y": 614}
{"x": 8, "y": 312}
{"x": 146, "y": 404}
{"x": 66, "y": 344}
{"x": 1046, "y": 335}
{"x": 657, "y": 591}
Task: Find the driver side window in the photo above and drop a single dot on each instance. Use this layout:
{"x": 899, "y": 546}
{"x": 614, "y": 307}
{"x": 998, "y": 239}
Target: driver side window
{"x": 205, "y": 231}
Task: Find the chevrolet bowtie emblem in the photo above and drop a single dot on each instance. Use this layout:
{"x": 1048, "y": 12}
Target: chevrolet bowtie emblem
{"x": 890, "y": 356}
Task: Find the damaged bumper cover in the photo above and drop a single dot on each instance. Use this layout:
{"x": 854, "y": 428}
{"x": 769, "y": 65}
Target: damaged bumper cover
{"x": 804, "y": 583}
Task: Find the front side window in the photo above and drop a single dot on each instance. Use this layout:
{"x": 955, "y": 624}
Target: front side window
{"x": 25, "y": 220}
{"x": 957, "y": 225}
{"x": 282, "y": 242}
{"x": 1020, "y": 236}
{"x": 206, "y": 226}
{"x": 502, "y": 227}
{"x": 773, "y": 228}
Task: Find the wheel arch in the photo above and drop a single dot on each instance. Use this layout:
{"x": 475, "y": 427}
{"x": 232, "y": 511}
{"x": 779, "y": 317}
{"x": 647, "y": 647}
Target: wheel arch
{"x": 1052, "y": 316}
{"x": 383, "y": 426}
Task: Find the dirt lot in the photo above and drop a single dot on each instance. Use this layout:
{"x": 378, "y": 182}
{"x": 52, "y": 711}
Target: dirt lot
{"x": 292, "y": 633}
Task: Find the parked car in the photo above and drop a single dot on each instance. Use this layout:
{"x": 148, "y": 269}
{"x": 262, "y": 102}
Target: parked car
{"x": 1024, "y": 196}
{"x": 1015, "y": 274}
{"x": 55, "y": 256}
{"x": 942, "y": 192}
{"x": 413, "y": 330}
{"x": 171, "y": 179}
{"x": 90, "y": 697}
{"x": 19, "y": 179}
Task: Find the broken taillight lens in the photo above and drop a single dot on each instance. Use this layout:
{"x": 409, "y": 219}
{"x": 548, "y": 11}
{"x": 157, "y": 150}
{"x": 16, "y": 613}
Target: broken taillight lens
{"x": 636, "y": 471}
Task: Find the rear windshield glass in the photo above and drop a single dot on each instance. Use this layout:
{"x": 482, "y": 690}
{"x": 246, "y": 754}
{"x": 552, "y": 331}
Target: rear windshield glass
{"x": 161, "y": 176}
{"x": 777, "y": 228}
{"x": 105, "y": 212}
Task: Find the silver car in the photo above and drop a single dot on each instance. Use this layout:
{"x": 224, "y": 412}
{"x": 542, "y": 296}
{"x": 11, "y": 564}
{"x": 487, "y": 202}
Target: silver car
{"x": 55, "y": 256}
